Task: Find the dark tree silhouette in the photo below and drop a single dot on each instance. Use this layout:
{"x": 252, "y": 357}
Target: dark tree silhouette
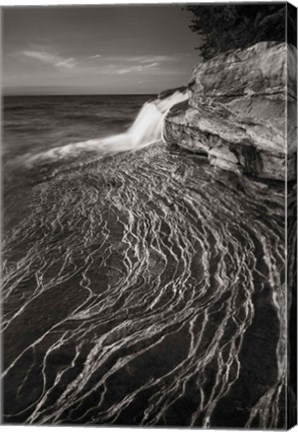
{"x": 232, "y": 26}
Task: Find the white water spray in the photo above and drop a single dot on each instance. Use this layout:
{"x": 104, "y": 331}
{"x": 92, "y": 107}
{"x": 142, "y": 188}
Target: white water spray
{"x": 146, "y": 129}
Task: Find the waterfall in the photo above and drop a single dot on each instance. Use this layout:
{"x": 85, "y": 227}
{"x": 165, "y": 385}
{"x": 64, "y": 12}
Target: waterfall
{"x": 148, "y": 125}
{"x": 146, "y": 129}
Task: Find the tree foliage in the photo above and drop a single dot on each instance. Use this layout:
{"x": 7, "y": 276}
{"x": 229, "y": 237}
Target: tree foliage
{"x": 231, "y": 26}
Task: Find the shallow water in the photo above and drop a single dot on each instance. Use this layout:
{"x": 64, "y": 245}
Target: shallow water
{"x": 143, "y": 288}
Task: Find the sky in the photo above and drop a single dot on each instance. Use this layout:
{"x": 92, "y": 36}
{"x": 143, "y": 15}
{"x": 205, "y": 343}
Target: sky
{"x": 97, "y": 49}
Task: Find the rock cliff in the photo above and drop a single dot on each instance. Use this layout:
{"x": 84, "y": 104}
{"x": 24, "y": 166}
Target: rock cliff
{"x": 236, "y": 112}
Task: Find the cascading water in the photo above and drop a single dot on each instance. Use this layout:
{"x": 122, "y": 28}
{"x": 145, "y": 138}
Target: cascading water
{"x": 146, "y": 129}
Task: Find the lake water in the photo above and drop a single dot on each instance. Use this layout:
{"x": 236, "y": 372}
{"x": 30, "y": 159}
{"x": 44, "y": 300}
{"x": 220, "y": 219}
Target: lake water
{"x": 141, "y": 286}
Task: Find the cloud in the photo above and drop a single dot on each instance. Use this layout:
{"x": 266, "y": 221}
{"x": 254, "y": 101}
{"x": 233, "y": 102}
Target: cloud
{"x": 51, "y": 58}
{"x": 94, "y": 56}
{"x": 146, "y": 63}
{"x": 137, "y": 68}
{"x": 152, "y": 58}
{"x": 111, "y": 65}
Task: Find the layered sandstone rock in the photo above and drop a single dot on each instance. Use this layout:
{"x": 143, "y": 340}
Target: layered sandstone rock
{"x": 237, "y": 111}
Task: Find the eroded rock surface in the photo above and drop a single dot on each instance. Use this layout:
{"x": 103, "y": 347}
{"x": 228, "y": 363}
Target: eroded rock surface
{"x": 236, "y": 112}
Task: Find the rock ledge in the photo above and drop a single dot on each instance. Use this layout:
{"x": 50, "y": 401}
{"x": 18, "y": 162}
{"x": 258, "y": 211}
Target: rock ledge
{"x": 236, "y": 112}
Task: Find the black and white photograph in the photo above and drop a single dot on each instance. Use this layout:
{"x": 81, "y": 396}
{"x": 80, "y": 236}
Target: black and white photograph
{"x": 149, "y": 167}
